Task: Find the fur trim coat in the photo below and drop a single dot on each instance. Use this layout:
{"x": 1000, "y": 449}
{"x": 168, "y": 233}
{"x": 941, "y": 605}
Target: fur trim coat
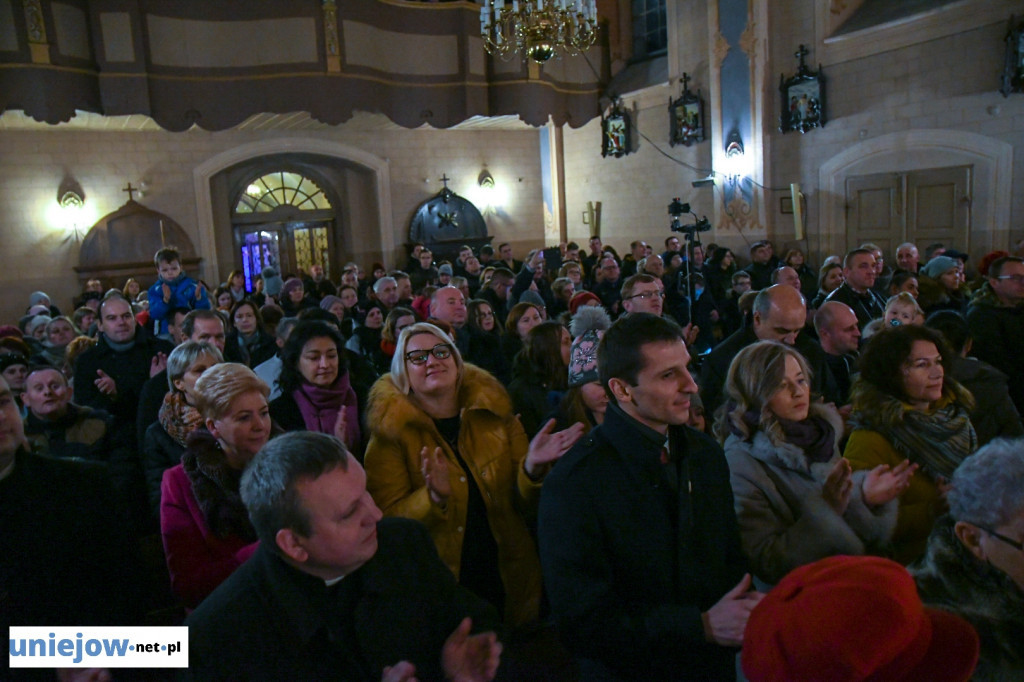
{"x": 949, "y": 577}
{"x": 492, "y": 442}
{"x": 784, "y": 520}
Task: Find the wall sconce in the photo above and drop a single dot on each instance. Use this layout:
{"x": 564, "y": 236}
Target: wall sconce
{"x": 734, "y": 144}
{"x": 488, "y": 196}
{"x": 69, "y": 213}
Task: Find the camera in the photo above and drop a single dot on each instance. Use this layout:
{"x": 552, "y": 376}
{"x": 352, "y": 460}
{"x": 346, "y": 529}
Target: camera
{"x": 677, "y": 209}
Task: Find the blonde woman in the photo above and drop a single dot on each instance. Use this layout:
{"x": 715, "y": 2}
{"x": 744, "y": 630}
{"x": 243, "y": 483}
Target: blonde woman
{"x": 447, "y": 450}
{"x": 205, "y": 527}
{"x": 796, "y": 498}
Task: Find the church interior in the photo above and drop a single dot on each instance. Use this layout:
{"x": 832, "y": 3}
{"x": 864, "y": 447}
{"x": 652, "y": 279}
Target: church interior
{"x": 316, "y": 129}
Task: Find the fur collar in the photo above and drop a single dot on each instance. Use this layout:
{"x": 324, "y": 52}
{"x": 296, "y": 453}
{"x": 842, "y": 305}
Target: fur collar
{"x": 787, "y": 455}
{"x": 390, "y": 410}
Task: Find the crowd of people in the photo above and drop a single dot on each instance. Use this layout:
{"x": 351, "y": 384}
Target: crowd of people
{"x": 623, "y": 463}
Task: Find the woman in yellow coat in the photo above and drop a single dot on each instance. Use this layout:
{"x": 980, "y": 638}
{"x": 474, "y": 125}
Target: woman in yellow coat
{"x": 447, "y": 450}
{"x": 906, "y": 406}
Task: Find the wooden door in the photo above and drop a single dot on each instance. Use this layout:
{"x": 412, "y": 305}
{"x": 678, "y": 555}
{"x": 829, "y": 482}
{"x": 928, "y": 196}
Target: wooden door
{"x": 874, "y": 211}
{"x": 939, "y": 207}
{"x": 924, "y": 207}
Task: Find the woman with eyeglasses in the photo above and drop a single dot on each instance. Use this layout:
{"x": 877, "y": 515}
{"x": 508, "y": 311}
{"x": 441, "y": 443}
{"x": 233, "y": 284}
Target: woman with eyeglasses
{"x": 486, "y": 338}
{"x": 974, "y": 565}
{"x": 907, "y": 406}
{"x": 447, "y": 450}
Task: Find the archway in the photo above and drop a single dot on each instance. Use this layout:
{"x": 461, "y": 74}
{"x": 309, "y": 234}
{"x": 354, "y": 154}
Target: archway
{"x": 992, "y": 162}
{"x": 210, "y": 219}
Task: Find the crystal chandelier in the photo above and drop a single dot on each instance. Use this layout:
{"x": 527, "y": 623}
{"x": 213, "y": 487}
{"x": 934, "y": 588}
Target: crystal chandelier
{"x": 537, "y": 28}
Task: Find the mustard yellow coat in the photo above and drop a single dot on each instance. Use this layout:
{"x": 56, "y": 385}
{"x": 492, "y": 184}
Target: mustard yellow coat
{"x": 920, "y": 504}
{"x": 494, "y": 445}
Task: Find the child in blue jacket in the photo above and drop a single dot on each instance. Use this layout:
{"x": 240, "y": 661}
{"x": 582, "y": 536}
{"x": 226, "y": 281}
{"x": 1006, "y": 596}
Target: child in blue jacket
{"x": 173, "y": 289}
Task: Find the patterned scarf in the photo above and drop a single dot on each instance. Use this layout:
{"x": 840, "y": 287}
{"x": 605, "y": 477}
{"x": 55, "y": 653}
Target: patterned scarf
{"x": 178, "y": 418}
{"x": 937, "y": 440}
{"x": 814, "y": 435}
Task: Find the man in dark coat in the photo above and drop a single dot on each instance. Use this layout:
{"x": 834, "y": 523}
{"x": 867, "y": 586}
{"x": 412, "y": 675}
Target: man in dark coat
{"x": 333, "y": 592}
{"x": 65, "y": 557}
{"x": 996, "y": 317}
{"x": 779, "y": 314}
{"x": 638, "y": 538}
{"x": 856, "y": 291}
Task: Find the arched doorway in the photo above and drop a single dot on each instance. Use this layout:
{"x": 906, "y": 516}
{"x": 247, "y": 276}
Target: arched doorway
{"x": 359, "y": 179}
{"x": 284, "y": 219}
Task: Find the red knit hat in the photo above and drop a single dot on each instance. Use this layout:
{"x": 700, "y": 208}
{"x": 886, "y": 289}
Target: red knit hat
{"x": 854, "y": 618}
{"x": 582, "y": 298}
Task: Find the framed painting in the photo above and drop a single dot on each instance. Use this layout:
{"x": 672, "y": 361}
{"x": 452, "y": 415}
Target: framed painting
{"x": 616, "y": 139}
{"x": 803, "y": 98}
{"x": 686, "y": 117}
{"x": 1013, "y": 69}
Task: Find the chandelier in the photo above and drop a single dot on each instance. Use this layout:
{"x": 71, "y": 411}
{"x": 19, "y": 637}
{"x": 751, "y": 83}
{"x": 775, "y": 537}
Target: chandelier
{"x": 537, "y": 28}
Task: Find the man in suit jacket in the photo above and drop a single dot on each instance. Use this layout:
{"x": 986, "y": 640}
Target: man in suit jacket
{"x": 333, "y": 592}
{"x": 638, "y": 538}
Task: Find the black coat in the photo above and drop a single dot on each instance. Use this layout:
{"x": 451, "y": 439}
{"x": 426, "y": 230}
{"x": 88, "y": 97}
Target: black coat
{"x": 629, "y": 564}
{"x": 160, "y": 452}
{"x": 270, "y": 621}
{"x": 716, "y": 367}
{"x": 867, "y": 306}
{"x": 264, "y": 348}
{"x": 997, "y": 332}
{"x": 65, "y": 552}
{"x": 128, "y": 369}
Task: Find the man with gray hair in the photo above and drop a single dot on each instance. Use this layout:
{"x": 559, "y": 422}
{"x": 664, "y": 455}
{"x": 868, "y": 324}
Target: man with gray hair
{"x": 449, "y": 305}
{"x": 779, "y": 314}
{"x": 334, "y": 591}
{"x": 385, "y": 290}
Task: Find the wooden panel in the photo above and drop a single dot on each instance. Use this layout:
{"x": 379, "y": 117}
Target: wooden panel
{"x": 874, "y": 210}
{"x": 939, "y": 206}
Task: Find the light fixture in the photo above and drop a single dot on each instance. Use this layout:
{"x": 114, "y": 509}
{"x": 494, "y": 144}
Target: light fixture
{"x": 734, "y": 144}
{"x": 69, "y": 215}
{"x": 485, "y": 179}
{"x": 487, "y": 196}
{"x": 537, "y": 28}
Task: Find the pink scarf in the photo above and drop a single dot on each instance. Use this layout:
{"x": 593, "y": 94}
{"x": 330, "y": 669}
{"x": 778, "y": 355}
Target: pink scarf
{"x": 320, "y": 406}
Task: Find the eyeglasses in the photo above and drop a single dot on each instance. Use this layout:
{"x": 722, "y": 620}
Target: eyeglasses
{"x": 649, "y": 294}
{"x": 441, "y": 351}
{"x": 1019, "y": 546}
{"x": 1018, "y": 279}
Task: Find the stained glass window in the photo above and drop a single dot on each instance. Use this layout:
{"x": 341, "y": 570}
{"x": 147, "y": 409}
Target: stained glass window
{"x": 281, "y": 188}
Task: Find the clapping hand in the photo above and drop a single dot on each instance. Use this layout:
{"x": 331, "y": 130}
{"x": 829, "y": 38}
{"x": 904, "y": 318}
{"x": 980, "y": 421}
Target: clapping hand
{"x": 106, "y": 384}
{"x": 838, "y": 486}
{"x": 340, "y": 425}
{"x": 403, "y": 671}
{"x": 157, "y": 364}
{"x": 546, "y": 447}
{"x": 435, "y": 474}
{"x": 470, "y": 658}
{"x": 885, "y": 483}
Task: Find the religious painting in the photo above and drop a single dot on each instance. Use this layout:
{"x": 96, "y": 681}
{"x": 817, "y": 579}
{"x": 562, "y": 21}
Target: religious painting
{"x": 1013, "y": 69}
{"x": 686, "y": 117}
{"x": 803, "y": 98}
{"x": 615, "y": 132}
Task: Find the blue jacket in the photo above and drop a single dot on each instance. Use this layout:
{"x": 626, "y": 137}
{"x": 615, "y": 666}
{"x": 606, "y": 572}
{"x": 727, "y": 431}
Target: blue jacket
{"x": 183, "y": 295}
{"x": 630, "y": 561}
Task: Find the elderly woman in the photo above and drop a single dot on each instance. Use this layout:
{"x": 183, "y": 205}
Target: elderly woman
{"x": 447, "y": 450}
{"x": 366, "y": 336}
{"x": 906, "y": 406}
{"x": 796, "y": 499}
{"x": 316, "y": 394}
{"x": 204, "y": 525}
{"x": 974, "y": 566}
{"x": 59, "y": 333}
{"x": 248, "y": 342}
{"x": 178, "y": 416}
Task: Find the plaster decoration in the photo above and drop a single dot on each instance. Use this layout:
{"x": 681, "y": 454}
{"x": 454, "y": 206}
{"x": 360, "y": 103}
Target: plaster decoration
{"x": 331, "y": 28}
{"x": 34, "y": 21}
{"x": 739, "y": 214}
{"x": 748, "y": 39}
{"x": 720, "y": 50}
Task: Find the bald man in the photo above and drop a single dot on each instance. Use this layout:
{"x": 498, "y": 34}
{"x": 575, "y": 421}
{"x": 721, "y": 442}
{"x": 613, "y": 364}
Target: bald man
{"x": 837, "y": 328}
{"x": 779, "y": 314}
